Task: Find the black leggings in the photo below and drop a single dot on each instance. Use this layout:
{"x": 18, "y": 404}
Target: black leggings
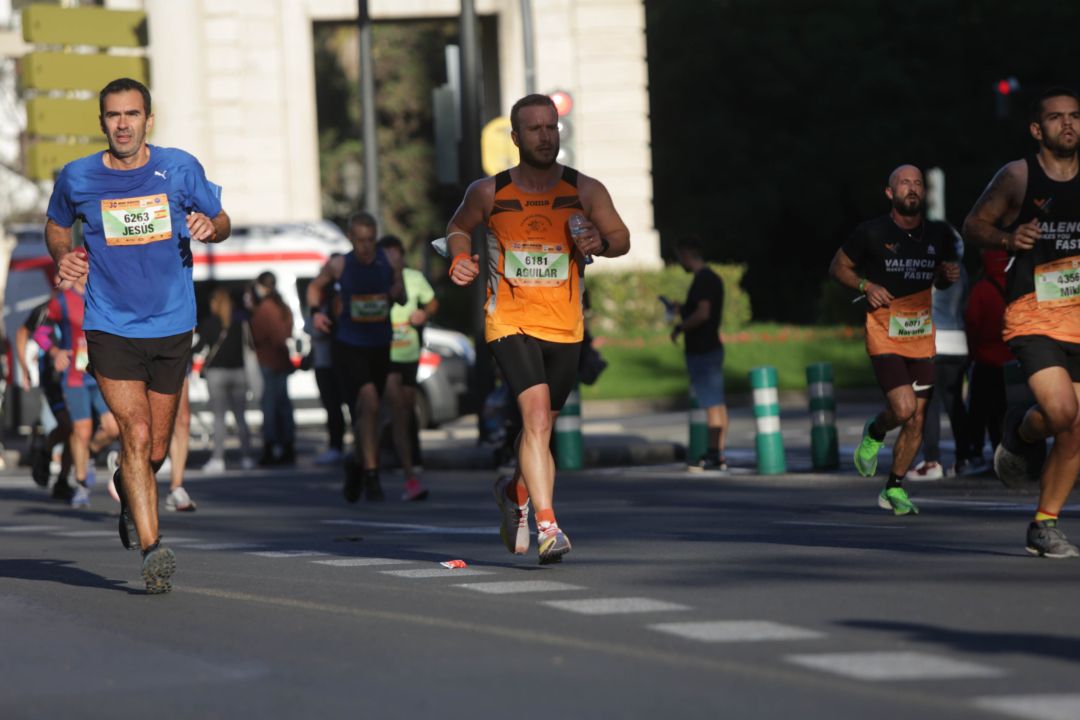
{"x": 526, "y": 361}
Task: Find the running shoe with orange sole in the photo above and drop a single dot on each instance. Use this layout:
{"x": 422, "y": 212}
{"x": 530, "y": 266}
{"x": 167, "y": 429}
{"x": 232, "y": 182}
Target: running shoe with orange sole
{"x": 514, "y": 528}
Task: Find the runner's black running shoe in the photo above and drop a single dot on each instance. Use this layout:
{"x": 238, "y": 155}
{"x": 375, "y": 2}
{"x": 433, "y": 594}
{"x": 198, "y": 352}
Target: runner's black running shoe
{"x": 1045, "y": 539}
{"x": 129, "y": 535}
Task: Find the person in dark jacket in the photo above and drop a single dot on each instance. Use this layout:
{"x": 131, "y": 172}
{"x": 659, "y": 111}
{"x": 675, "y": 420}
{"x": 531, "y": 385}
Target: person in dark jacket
{"x": 271, "y": 328}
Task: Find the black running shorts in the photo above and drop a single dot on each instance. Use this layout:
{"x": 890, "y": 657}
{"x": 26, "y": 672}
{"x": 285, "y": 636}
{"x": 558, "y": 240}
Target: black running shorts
{"x": 358, "y": 366}
{"x": 526, "y": 361}
{"x": 1038, "y": 352}
{"x": 892, "y": 371}
{"x": 161, "y": 363}
{"x": 407, "y": 371}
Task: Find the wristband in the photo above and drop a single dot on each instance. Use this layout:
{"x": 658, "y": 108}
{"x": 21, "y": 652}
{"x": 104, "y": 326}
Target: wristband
{"x": 604, "y": 246}
{"x": 862, "y": 285}
{"x": 457, "y": 258}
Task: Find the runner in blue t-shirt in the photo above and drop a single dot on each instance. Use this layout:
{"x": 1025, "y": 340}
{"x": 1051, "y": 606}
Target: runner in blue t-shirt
{"x": 370, "y": 282}
{"x": 141, "y": 206}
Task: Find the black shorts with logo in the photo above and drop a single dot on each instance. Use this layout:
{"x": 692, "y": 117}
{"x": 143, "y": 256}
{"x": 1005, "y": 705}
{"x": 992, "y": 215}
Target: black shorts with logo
{"x": 1038, "y": 352}
{"x": 892, "y": 371}
{"x": 526, "y": 361}
{"x": 161, "y": 363}
{"x": 357, "y": 366}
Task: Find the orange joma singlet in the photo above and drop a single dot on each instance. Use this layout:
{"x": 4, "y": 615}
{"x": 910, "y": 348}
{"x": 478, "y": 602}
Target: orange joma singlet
{"x": 535, "y": 269}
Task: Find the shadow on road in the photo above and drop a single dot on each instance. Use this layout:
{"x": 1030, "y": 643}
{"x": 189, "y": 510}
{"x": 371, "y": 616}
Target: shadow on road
{"x": 1053, "y": 646}
{"x": 60, "y": 571}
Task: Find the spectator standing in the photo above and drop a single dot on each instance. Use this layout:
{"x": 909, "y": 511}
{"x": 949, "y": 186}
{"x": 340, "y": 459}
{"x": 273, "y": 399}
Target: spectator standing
{"x": 221, "y": 336}
{"x": 271, "y": 328}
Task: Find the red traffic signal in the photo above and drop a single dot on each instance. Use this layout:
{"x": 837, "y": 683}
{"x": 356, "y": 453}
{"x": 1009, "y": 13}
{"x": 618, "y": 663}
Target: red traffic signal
{"x": 1006, "y": 86}
{"x": 563, "y": 102}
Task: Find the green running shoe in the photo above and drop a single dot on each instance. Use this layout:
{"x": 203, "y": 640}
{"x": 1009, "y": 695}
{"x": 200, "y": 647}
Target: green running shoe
{"x": 867, "y": 452}
{"x": 897, "y": 500}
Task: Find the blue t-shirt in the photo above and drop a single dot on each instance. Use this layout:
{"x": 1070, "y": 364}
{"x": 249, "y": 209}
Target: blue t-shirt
{"x": 365, "y": 301}
{"x": 137, "y": 241}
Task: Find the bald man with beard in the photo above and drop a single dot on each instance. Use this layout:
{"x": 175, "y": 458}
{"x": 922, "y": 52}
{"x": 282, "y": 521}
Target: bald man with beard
{"x": 894, "y": 261}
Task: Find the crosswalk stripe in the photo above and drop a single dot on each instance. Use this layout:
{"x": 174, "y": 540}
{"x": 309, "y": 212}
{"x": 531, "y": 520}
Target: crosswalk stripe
{"x": 519, "y": 586}
{"x": 1032, "y": 706}
{"x": 435, "y": 572}
{"x": 360, "y": 562}
{"x": 286, "y": 553}
{"x": 736, "y": 631}
{"x": 615, "y": 606}
{"x": 893, "y": 666}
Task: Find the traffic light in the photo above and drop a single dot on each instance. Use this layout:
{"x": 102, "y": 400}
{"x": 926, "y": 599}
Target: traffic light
{"x": 1004, "y": 89}
{"x": 564, "y": 106}
{"x": 62, "y": 122}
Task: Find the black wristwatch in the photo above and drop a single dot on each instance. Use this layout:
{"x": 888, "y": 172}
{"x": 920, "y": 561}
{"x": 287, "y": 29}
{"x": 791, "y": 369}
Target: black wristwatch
{"x": 604, "y": 246}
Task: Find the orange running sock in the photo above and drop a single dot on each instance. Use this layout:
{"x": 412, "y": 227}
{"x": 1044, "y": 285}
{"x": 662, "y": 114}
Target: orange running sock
{"x": 543, "y": 516}
{"x": 1040, "y": 515}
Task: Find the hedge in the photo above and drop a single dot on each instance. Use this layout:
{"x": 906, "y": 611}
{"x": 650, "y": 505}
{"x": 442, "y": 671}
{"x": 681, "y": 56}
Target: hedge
{"x": 624, "y": 303}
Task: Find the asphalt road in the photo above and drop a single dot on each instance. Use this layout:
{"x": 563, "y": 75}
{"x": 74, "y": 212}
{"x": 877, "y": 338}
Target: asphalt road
{"x": 684, "y": 596}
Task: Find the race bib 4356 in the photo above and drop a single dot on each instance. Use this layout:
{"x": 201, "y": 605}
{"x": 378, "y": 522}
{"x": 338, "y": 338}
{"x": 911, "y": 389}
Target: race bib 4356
{"x": 136, "y": 221}
{"x": 1058, "y": 282}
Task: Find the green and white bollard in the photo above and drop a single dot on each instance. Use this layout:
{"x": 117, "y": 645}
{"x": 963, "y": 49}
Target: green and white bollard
{"x": 699, "y": 431}
{"x": 770, "y": 444}
{"x": 824, "y": 446}
{"x": 569, "y": 448}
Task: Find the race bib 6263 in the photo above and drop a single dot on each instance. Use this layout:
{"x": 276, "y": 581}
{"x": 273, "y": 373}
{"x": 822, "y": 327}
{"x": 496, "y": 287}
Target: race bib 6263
{"x": 136, "y": 221}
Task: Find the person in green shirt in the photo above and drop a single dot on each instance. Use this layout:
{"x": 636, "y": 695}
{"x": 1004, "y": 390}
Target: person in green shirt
{"x": 408, "y": 322}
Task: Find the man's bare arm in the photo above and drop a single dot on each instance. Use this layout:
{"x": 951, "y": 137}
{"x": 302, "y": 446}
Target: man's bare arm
{"x": 605, "y": 218}
{"x": 222, "y": 226}
{"x": 315, "y": 290}
{"x": 71, "y": 265}
{"x": 997, "y": 208}
{"x": 842, "y": 270}
{"x": 465, "y": 265}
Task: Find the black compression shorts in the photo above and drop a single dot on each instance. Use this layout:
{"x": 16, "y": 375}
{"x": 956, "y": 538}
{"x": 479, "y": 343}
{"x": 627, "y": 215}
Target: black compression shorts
{"x": 526, "y": 361}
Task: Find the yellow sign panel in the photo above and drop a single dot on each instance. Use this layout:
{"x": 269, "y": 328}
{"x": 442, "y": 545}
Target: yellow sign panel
{"x": 497, "y": 150}
{"x": 75, "y": 71}
{"x": 44, "y": 159}
{"x": 61, "y": 116}
{"x": 52, "y": 25}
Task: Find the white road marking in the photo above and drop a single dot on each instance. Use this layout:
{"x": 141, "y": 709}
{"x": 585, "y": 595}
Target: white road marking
{"x": 286, "y": 553}
{"x": 519, "y": 586}
{"x": 891, "y": 666}
{"x": 1032, "y": 706}
{"x": 414, "y": 528}
{"x": 361, "y": 562}
{"x": 86, "y": 533}
{"x": 435, "y": 572}
{"x": 222, "y": 546}
{"x": 29, "y": 528}
{"x": 811, "y": 523}
{"x": 615, "y": 606}
{"x": 736, "y": 631}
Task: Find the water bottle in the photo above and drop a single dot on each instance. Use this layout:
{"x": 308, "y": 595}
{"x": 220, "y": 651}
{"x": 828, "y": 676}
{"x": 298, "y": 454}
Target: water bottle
{"x": 578, "y": 230}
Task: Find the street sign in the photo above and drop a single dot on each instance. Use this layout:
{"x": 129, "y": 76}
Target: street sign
{"x": 44, "y": 159}
{"x": 497, "y": 149}
{"x": 79, "y": 71}
{"x": 97, "y": 26}
{"x": 62, "y": 116}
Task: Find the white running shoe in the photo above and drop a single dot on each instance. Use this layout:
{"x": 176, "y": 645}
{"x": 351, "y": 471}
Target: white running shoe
{"x": 178, "y": 501}
{"x": 214, "y": 465}
{"x": 514, "y": 528}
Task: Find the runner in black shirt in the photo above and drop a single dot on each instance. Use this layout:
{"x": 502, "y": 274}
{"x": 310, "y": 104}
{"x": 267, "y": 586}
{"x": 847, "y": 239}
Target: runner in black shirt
{"x": 895, "y": 260}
